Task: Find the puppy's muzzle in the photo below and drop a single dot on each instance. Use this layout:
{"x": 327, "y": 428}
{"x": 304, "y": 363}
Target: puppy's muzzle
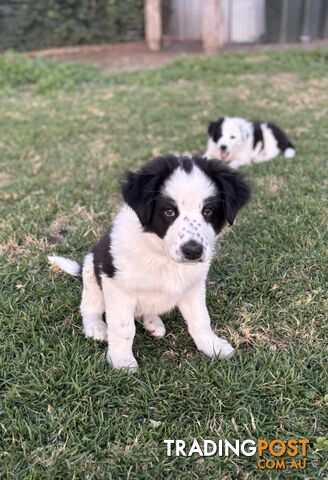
{"x": 192, "y": 250}
{"x": 224, "y": 153}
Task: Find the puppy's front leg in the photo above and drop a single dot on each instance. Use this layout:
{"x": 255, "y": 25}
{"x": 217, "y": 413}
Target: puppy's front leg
{"x": 194, "y": 311}
{"x": 238, "y": 163}
{"x": 120, "y": 309}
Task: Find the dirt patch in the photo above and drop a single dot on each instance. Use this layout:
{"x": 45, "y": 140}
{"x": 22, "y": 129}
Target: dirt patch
{"x": 285, "y": 81}
{"x": 309, "y": 98}
{"x": 63, "y": 224}
{"x": 96, "y": 112}
{"x": 300, "y": 131}
{"x": 319, "y": 82}
{"x": 58, "y": 229}
{"x": 14, "y": 250}
{"x": 136, "y": 55}
{"x": 257, "y": 59}
{"x": 244, "y": 93}
{"x": 5, "y": 179}
{"x": 122, "y": 56}
{"x": 271, "y": 184}
{"x": 14, "y": 115}
{"x": 266, "y": 103}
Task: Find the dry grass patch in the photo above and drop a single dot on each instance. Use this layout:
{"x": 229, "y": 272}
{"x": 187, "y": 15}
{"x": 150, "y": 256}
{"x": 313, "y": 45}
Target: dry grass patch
{"x": 5, "y": 179}
{"x": 271, "y": 183}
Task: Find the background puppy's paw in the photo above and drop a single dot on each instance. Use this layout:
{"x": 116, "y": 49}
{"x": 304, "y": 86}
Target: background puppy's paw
{"x": 289, "y": 153}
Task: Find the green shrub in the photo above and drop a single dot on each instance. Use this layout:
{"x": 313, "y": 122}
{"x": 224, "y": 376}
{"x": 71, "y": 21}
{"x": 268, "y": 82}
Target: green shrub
{"x": 29, "y": 25}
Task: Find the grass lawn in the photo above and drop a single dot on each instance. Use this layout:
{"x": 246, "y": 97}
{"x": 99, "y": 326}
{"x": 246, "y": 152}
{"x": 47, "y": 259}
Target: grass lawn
{"x": 67, "y": 135}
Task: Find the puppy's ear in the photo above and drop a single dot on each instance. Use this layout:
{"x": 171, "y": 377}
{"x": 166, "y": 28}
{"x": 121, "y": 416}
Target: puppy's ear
{"x": 235, "y": 193}
{"x": 233, "y": 190}
{"x": 211, "y": 129}
{"x": 140, "y": 189}
{"x": 214, "y": 129}
{"x": 136, "y": 193}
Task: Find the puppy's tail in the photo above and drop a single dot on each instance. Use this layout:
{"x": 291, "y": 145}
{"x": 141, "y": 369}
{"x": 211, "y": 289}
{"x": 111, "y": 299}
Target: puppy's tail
{"x": 67, "y": 265}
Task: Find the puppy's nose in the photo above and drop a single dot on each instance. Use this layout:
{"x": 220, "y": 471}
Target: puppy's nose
{"x": 223, "y": 148}
{"x": 192, "y": 250}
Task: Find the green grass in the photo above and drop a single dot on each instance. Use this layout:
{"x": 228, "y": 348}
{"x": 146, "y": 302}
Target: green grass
{"x": 67, "y": 135}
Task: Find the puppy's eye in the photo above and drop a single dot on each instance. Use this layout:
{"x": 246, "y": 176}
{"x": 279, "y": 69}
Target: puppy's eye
{"x": 207, "y": 212}
{"x": 170, "y": 212}
{"x": 232, "y": 137}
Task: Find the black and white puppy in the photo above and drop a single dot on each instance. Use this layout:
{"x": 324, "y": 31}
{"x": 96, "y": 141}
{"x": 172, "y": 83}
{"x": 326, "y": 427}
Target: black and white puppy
{"x": 240, "y": 142}
{"x": 157, "y": 254}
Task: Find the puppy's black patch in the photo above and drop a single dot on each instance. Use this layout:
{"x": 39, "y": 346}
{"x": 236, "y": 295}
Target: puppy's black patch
{"x": 103, "y": 259}
{"x": 160, "y": 223}
{"x": 258, "y": 134}
{"x": 186, "y": 164}
{"x": 281, "y": 137}
{"x": 217, "y": 219}
{"x": 215, "y": 129}
{"x": 141, "y": 189}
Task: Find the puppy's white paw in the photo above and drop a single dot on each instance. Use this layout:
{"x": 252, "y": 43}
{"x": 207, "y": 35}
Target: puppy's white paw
{"x": 123, "y": 361}
{"x": 96, "y": 330}
{"x": 212, "y": 346}
{"x": 236, "y": 164}
{"x": 289, "y": 153}
{"x": 154, "y": 326}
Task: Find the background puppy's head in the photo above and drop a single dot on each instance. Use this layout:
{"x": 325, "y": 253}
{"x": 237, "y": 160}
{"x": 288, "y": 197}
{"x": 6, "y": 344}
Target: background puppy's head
{"x": 229, "y": 133}
{"x": 185, "y": 202}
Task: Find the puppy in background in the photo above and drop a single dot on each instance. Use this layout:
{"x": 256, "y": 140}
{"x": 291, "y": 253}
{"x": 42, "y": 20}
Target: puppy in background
{"x": 238, "y": 142}
{"x": 157, "y": 254}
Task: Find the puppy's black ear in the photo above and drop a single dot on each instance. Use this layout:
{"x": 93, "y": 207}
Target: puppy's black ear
{"x": 136, "y": 191}
{"x": 140, "y": 189}
{"x": 211, "y": 129}
{"x": 214, "y": 129}
{"x": 233, "y": 190}
{"x": 235, "y": 193}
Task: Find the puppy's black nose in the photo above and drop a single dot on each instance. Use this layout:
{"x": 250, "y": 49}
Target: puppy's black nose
{"x": 223, "y": 148}
{"x": 192, "y": 250}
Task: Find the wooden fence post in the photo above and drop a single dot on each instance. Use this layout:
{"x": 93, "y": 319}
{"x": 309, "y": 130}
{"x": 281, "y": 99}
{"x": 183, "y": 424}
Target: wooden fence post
{"x": 212, "y": 26}
{"x": 153, "y": 24}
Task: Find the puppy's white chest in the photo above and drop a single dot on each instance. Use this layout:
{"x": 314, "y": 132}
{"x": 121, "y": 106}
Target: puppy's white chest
{"x": 155, "y": 302}
{"x": 160, "y": 291}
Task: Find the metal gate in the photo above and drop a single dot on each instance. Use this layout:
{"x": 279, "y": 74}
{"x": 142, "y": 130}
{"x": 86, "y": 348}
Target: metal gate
{"x": 252, "y": 21}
